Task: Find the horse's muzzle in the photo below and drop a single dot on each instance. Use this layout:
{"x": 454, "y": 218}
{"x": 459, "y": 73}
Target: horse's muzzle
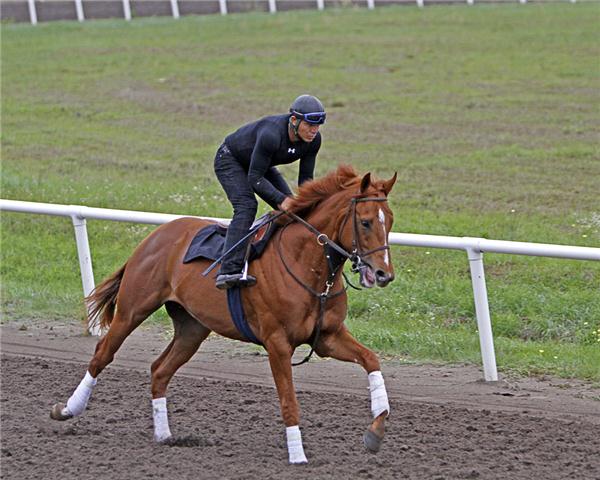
{"x": 383, "y": 278}
{"x": 369, "y": 277}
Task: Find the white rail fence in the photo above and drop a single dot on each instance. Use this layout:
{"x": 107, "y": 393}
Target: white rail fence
{"x": 474, "y": 247}
{"x": 320, "y": 4}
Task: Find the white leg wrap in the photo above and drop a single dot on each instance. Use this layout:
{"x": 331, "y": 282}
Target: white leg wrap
{"x": 294, "y": 443}
{"x": 379, "y": 398}
{"x": 161, "y": 420}
{"x": 78, "y": 401}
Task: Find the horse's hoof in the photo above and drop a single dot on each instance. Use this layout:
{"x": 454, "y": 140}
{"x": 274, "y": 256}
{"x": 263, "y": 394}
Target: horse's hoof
{"x": 374, "y": 435}
{"x": 57, "y": 412}
{"x": 372, "y": 441}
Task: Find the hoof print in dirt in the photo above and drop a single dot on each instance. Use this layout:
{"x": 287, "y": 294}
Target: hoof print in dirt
{"x": 189, "y": 441}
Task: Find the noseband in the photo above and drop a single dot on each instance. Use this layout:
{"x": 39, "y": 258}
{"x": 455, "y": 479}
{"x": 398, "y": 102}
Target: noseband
{"x": 335, "y": 255}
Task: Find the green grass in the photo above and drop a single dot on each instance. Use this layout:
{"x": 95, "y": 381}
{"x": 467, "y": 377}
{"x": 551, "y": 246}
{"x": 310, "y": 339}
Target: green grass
{"x": 488, "y": 113}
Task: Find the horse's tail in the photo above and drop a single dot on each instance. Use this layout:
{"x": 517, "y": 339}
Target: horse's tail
{"x": 103, "y": 299}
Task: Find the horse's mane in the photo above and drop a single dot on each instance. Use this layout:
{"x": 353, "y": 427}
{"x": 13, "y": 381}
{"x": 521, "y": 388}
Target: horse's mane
{"x": 312, "y": 192}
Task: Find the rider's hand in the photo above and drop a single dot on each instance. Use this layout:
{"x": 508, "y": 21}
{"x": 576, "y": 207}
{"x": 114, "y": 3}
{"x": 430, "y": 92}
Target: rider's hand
{"x": 286, "y": 204}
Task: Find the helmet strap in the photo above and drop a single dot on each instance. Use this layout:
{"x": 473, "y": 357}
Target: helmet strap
{"x": 295, "y": 126}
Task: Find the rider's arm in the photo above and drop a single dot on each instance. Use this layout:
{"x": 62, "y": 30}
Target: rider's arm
{"x": 276, "y": 178}
{"x": 267, "y": 143}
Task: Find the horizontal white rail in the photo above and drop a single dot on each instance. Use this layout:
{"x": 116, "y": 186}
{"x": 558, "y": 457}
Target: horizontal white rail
{"x": 473, "y": 246}
{"x": 496, "y": 246}
{"x": 406, "y": 239}
{"x": 94, "y": 213}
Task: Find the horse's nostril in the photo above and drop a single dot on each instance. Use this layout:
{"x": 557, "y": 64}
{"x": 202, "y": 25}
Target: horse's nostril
{"x": 381, "y": 275}
{"x": 383, "y": 278}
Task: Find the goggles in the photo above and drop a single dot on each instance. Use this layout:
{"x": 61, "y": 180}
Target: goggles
{"x": 314, "y": 118}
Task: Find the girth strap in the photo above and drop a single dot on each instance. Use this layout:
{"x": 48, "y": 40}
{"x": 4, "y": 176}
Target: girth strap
{"x": 236, "y": 309}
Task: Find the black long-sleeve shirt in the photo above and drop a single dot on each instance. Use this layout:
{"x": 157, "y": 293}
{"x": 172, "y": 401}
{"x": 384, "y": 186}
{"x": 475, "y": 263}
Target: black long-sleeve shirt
{"x": 260, "y": 145}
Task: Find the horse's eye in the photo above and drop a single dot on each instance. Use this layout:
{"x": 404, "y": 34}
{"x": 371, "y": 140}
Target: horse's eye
{"x": 365, "y": 223}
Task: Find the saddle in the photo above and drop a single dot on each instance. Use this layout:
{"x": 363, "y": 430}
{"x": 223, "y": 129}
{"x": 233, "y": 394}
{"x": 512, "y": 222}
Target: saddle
{"x": 209, "y": 241}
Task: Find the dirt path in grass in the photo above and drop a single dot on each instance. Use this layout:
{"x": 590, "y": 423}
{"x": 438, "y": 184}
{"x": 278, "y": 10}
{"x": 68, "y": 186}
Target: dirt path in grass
{"x": 445, "y": 423}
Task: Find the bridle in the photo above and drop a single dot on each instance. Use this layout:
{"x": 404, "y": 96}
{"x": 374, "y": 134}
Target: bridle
{"x": 357, "y": 253}
{"x": 335, "y": 255}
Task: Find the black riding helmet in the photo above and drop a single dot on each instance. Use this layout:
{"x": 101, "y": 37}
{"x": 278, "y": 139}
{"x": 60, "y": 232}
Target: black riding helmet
{"x": 307, "y": 108}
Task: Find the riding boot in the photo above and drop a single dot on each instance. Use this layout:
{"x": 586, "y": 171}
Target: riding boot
{"x": 225, "y": 280}
{"x": 243, "y": 279}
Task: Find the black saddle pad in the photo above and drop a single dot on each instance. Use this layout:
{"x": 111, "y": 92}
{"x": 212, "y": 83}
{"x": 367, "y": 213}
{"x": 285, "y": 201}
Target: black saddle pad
{"x": 209, "y": 241}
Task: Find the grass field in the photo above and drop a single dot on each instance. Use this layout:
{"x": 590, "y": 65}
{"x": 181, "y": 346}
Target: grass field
{"x": 488, "y": 113}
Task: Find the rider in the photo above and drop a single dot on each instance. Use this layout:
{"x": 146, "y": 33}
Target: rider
{"x": 245, "y": 165}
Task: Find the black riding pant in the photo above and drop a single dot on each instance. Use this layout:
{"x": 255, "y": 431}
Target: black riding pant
{"x": 234, "y": 180}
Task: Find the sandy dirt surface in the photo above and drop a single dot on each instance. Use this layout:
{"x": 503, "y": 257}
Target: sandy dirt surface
{"x": 445, "y": 424}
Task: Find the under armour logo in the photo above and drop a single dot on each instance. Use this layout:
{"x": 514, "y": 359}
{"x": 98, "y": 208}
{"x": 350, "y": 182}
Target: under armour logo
{"x": 291, "y": 150}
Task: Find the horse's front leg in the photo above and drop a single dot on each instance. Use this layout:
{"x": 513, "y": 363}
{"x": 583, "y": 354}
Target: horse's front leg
{"x": 343, "y": 346}
{"x": 280, "y": 358}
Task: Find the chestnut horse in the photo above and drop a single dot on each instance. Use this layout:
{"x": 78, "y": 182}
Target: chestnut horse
{"x": 296, "y": 300}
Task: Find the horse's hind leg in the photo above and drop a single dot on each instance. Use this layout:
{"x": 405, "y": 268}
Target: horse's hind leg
{"x": 125, "y": 320}
{"x": 188, "y": 336}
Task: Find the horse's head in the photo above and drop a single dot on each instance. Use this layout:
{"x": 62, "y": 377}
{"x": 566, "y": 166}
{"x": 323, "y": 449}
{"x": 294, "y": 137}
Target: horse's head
{"x": 362, "y": 222}
{"x": 365, "y": 228}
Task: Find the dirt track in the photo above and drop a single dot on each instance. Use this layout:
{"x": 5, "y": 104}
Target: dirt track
{"x": 223, "y": 408}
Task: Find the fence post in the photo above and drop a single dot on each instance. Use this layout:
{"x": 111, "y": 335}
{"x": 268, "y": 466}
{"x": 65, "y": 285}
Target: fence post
{"x": 370, "y": 4}
{"x": 223, "y": 7}
{"x": 126, "y": 10}
{"x": 272, "y": 6}
{"x": 85, "y": 263}
{"x": 482, "y": 311}
{"x": 175, "y": 8}
{"x": 79, "y": 10}
{"x": 32, "y": 12}
{"x": 321, "y": 4}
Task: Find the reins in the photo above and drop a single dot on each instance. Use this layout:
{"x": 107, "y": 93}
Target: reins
{"x": 271, "y": 218}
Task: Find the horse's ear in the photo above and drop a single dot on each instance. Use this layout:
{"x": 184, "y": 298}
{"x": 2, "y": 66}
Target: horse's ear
{"x": 365, "y": 182}
{"x": 388, "y": 184}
